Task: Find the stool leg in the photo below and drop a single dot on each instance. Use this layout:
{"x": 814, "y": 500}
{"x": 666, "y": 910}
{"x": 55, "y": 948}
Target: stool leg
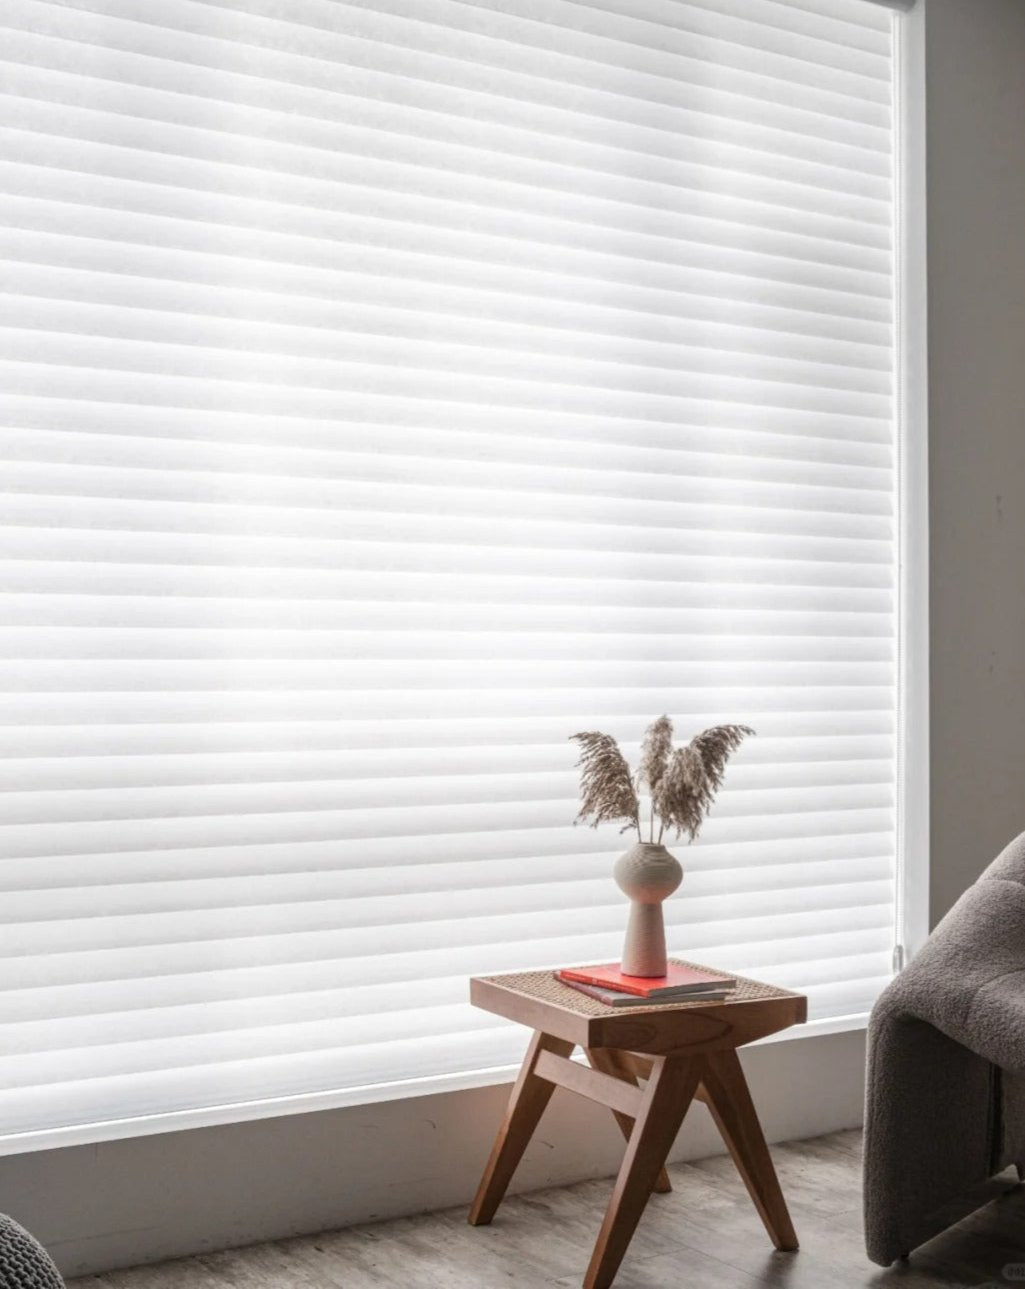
{"x": 729, "y": 1099}
{"x": 529, "y": 1097}
{"x": 605, "y": 1059}
{"x": 669, "y": 1092}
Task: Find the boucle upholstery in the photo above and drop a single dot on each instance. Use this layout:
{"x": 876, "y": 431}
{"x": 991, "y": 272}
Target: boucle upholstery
{"x": 945, "y": 1098}
{"x": 24, "y": 1263}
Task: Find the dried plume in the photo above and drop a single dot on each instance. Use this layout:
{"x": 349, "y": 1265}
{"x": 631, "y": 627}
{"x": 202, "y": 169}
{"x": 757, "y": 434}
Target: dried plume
{"x": 606, "y": 786}
{"x": 679, "y": 795}
{"x": 656, "y": 751}
{"x": 715, "y": 746}
{"x": 711, "y": 749}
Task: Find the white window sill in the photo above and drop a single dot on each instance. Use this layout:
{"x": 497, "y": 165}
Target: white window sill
{"x": 336, "y": 1099}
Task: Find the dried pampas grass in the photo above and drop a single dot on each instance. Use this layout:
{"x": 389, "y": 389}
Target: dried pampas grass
{"x": 678, "y": 799}
{"x": 656, "y": 752}
{"x": 606, "y": 786}
{"x": 682, "y": 782}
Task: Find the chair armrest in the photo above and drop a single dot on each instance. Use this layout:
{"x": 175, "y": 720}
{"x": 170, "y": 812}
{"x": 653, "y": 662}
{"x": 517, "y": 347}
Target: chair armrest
{"x": 969, "y": 979}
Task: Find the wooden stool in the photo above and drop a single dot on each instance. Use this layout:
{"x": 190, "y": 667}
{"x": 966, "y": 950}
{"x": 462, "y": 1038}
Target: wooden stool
{"x": 682, "y": 1050}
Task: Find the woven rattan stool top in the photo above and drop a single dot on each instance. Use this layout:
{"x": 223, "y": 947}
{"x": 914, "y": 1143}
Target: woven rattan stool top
{"x": 538, "y": 999}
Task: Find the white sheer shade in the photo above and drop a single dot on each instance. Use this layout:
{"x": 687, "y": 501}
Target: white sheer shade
{"x": 391, "y": 389}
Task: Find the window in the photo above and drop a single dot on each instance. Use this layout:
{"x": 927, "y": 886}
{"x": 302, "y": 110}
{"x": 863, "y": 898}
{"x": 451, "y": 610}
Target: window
{"x": 391, "y": 390}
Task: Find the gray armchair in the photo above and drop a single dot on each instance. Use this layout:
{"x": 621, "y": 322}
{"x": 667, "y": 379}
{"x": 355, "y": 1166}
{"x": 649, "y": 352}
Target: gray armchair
{"x": 945, "y": 1100}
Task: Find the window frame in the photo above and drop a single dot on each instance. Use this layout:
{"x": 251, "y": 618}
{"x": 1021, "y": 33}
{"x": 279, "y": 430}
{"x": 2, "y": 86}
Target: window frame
{"x": 911, "y": 898}
{"x": 911, "y": 425}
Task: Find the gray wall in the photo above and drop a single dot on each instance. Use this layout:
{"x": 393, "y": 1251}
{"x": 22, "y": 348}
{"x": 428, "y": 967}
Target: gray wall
{"x": 975, "y": 53}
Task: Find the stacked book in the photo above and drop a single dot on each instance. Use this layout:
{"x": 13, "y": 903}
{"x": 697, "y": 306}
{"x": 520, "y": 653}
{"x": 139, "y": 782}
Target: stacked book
{"x": 680, "y": 985}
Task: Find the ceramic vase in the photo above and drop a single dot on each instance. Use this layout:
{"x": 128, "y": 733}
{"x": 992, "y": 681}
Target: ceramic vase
{"x": 647, "y": 873}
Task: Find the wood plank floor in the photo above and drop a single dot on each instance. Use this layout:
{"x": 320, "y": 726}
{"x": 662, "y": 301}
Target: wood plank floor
{"x": 705, "y": 1235}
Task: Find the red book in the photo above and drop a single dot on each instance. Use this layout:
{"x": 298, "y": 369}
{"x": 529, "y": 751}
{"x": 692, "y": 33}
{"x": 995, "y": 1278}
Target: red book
{"x": 678, "y": 980}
